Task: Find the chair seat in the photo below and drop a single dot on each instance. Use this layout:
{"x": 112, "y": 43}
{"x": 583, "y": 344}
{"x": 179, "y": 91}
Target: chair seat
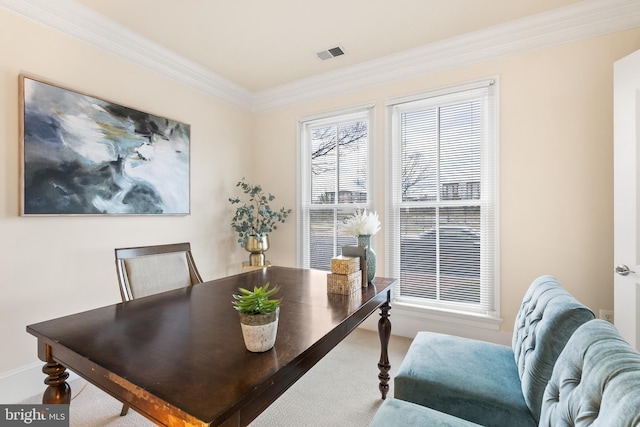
{"x": 395, "y": 412}
{"x": 484, "y": 387}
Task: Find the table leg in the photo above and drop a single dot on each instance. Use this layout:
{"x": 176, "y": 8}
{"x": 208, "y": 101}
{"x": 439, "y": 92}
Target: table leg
{"x": 58, "y": 391}
{"x": 384, "y": 330}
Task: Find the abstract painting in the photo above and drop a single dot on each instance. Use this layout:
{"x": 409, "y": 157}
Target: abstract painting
{"x": 83, "y": 155}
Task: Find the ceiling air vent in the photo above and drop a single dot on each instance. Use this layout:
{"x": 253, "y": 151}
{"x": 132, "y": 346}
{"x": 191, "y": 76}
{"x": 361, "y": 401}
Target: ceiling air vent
{"x": 330, "y": 53}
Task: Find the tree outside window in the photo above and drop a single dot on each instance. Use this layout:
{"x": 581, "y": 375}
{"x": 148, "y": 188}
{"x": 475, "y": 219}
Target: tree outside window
{"x": 335, "y": 156}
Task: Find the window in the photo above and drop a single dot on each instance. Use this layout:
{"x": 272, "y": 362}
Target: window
{"x": 441, "y": 199}
{"x": 334, "y": 181}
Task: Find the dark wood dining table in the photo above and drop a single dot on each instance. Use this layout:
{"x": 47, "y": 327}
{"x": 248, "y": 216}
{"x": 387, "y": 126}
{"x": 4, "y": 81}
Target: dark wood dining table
{"x": 178, "y": 357}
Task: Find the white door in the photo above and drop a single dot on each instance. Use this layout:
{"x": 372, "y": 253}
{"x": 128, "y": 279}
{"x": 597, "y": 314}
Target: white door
{"x": 627, "y": 197}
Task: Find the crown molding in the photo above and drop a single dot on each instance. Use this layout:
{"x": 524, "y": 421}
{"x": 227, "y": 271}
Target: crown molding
{"x": 582, "y": 20}
{"x": 89, "y": 26}
{"x": 571, "y": 23}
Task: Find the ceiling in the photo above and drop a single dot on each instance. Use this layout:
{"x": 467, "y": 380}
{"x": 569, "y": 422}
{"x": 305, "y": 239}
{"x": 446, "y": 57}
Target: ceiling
{"x": 259, "y": 44}
{"x": 261, "y": 55}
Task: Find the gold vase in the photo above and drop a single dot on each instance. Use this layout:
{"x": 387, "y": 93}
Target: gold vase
{"x": 257, "y": 245}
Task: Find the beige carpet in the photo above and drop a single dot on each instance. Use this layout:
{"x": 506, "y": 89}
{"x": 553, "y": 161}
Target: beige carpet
{"x": 341, "y": 390}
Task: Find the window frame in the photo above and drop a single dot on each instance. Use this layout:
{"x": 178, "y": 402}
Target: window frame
{"x": 304, "y": 190}
{"x": 436, "y": 310}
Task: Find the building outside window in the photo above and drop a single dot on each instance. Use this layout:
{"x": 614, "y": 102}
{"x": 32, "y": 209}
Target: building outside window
{"x": 442, "y": 199}
{"x": 335, "y": 181}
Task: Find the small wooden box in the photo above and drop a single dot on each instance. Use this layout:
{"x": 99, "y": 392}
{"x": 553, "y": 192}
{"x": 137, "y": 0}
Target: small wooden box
{"x": 344, "y": 284}
{"x": 345, "y": 265}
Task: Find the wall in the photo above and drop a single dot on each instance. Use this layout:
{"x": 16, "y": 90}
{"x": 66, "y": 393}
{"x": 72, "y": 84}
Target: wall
{"x": 556, "y": 171}
{"x": 556, "y": 180}
{"x": 53, "y": 266}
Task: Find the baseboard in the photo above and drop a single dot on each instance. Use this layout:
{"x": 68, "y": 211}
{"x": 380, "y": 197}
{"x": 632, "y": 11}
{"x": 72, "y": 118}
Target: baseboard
{"x": 23, "y": 383}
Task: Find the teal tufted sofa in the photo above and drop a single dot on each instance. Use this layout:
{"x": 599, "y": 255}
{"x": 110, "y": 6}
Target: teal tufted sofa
{"x": 453, "y": 379}
{"x": 595, "y": 382}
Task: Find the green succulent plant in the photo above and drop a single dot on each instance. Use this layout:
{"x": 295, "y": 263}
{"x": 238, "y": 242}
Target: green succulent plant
{"x": 257, "y": 301}
{"x": 255, "y": 217}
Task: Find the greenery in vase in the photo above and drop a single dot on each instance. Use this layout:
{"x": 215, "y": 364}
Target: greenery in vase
{"x": 257, "y": 301}
{"x": 255, "y": 217}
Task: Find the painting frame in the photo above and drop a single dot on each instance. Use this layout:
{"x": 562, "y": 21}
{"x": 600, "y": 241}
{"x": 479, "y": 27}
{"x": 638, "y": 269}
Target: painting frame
{"x": 84, "y": 155}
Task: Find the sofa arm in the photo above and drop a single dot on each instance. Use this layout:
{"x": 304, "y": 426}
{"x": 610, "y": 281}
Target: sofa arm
{"x": 595, "y": 381}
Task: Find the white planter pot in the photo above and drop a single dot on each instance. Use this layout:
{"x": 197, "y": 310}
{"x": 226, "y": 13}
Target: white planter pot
{"x": 259, "y": 330}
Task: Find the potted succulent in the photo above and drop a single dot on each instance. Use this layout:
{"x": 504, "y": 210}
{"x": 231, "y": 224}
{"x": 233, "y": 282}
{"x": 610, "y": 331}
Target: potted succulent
{"x": 258, "y": 316}
{"x": 254, "y": 219}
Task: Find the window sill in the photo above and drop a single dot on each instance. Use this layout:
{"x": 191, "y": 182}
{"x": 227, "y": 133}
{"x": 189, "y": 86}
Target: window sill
{"x": 454, "y": 317}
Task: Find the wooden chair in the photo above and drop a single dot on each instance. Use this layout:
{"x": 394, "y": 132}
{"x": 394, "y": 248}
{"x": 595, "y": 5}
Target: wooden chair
{"x": 148, "y": 270}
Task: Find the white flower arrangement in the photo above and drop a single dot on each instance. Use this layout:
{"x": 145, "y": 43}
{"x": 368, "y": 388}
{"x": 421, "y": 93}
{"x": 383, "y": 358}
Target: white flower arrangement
{"x": 361, "y": 223}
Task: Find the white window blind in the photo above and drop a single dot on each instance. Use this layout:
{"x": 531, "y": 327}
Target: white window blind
{"x": 441, "y": 199}
{"x": 334, "y": 181}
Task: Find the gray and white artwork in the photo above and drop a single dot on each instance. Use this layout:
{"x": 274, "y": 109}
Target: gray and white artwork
{"x": 83, "y": 155}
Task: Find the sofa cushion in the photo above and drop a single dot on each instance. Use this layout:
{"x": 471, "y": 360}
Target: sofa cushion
{"x": 596, "y": 381}
{"x": 546, "y": 320}
{"x": 470, "y": 379}
{"x": 394, "y": 412}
